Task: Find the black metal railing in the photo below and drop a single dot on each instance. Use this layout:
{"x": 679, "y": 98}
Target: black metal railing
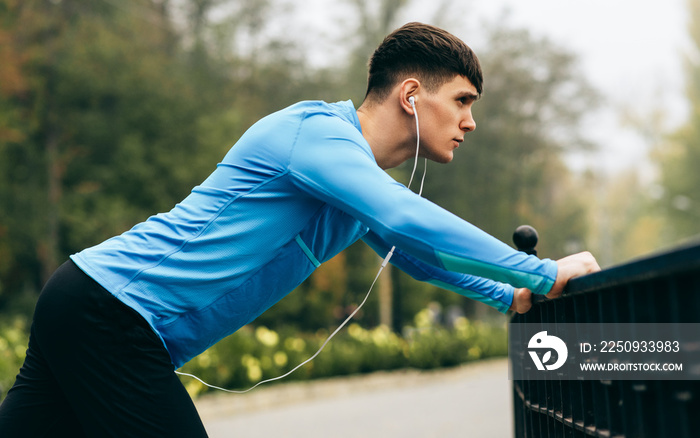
{"x": 664, "y": 288}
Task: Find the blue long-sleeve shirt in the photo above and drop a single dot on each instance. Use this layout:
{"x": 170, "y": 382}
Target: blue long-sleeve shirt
{"x": 298, "y": 187}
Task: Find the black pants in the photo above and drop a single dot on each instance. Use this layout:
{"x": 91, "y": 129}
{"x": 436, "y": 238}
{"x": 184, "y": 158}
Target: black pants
{"x": 94, "y": 368}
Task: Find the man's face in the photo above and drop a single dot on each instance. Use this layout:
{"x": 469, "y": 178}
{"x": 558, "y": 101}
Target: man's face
{"x": 444, "y": 117}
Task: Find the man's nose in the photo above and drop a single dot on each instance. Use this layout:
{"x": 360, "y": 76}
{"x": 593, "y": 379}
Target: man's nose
{"x": 468, "y": 124}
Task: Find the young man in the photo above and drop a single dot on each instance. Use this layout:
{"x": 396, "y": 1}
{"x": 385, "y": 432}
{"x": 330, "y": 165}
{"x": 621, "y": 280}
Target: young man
{"x": 299, "y": 186}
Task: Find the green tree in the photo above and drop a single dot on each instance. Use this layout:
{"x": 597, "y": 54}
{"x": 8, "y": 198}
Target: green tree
{"x": 680, "y": 156}
{"x": 112, "y": 111}
{"x": 107, "y": 129}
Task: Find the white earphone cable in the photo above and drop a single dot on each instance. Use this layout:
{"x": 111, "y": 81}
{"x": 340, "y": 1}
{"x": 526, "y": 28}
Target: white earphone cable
{"x": 415, "y": 160}
{"x": 344, "y": 323}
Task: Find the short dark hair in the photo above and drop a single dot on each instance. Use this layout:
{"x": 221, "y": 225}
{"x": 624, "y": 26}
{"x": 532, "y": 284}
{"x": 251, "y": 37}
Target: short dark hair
{"x": 433, "y": 55}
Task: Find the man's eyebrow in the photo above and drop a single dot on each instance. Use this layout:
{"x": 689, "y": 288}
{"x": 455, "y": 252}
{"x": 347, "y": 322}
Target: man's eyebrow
{"x": 469, "y": 95}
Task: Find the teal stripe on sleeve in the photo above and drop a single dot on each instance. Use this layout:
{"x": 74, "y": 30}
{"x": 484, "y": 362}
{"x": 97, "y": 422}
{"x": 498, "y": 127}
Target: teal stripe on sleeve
{"x": 538, "y": 282}
{"x": 307, "y": 251}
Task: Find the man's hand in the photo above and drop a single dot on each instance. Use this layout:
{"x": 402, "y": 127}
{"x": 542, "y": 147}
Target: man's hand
{"x": 522, "y": 300}
{"x": 575, "y": 265}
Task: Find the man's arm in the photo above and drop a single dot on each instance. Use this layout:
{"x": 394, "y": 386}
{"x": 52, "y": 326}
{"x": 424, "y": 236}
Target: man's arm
{"x": 334, "y": 164}
{"x": 489, "y": 292}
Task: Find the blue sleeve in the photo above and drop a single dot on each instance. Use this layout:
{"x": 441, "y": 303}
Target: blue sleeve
{"x": 492, "y": 293}
{"x": 331, "y": 161}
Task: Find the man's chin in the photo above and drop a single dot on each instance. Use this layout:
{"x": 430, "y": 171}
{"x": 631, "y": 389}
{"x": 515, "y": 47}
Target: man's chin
{"x": 441, "y": 159}
{"x": 444, "y": 159}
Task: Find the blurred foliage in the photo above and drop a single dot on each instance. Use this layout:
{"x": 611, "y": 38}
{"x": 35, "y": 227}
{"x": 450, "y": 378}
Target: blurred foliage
{"x": 258, "y": 353}
{"x": 14, "y": 338}
{"x": 679, "y": 154}
{"x": 111, "y": 111}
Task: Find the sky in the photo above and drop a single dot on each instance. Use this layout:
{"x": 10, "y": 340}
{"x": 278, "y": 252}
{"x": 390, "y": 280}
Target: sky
{"x": 630, "y": 50}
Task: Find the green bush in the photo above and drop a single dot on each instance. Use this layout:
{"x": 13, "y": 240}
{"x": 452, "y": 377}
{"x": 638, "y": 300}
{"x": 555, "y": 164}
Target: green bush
{"x": 254, "y": 354}
{"x": 14, "y": 338}
{"x": 432, "y": 346}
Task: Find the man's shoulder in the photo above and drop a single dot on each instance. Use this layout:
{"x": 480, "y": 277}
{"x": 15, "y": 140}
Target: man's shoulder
{"x": 314, "y": 114}
{"x": 343, "y": 110}
{"x": 338, "y": 118}
{"x": 307, "y": 123}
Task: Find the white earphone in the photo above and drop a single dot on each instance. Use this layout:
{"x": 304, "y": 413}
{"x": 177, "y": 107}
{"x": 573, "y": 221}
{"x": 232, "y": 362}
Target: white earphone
{"x": 412, "y": 101}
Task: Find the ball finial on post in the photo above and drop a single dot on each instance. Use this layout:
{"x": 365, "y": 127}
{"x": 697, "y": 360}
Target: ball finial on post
{"x": 525, "y": 239}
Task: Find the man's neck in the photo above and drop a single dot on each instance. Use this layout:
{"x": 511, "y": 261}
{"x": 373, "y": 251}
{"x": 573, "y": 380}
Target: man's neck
{"x": 389, "y": 132}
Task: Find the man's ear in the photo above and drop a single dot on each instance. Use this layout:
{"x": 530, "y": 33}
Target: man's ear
{"x": 409, "y": 88}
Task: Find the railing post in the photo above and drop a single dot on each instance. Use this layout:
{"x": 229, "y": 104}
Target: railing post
{"x": 663, "y": 288}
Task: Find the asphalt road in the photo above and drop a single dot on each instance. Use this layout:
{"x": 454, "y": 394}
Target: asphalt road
{"x": 469, "y": 401}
